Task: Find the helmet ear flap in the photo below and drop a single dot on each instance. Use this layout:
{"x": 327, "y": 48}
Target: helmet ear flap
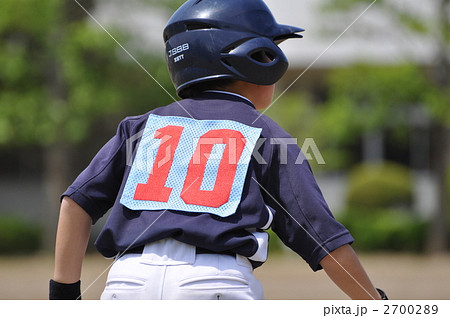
{"x": 263, "y": 56}
{"x": 259, "y": 61}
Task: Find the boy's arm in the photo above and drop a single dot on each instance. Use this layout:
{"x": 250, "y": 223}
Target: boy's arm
{"x": 72, "y": 237}
{"x": 343, "y": 267}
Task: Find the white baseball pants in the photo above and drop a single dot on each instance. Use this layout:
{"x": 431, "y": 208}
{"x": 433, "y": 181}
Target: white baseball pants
{"x": 169, "y": 269}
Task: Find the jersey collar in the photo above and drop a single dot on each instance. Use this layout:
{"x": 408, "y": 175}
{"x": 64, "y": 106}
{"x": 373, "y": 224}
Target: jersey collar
{"x": 229, "y": 93}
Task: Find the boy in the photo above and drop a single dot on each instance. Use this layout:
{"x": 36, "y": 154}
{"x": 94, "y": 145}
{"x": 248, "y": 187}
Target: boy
{"x": 193, "y": 185}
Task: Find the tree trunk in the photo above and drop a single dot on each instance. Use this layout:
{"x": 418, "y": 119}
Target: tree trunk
{"x": 57, "y": 154}
{"x": 438, "y": 236}
{"x": 55, "y": 183}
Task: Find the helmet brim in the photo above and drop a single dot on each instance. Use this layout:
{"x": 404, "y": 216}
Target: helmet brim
{"x": 284, "y": 32}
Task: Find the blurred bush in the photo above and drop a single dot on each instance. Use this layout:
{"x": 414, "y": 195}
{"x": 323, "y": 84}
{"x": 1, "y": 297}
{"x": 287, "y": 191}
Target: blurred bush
{"x": 385, "y": 230}
{"x": 18, "y": 236}
{"x": 378, "y": 215}
{"x": 384, "y": 185}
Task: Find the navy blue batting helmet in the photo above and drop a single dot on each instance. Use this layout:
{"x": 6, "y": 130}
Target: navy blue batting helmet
{"x": 209, "y": 40}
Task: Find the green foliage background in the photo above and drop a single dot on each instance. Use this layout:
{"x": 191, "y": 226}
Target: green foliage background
{"x": 60, "y": 75}
{"x": 18, "y": 236}
{"x": 360, "y": 98}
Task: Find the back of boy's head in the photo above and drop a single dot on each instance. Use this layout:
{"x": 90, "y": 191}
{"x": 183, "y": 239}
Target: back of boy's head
{"x": 213, "y": 42}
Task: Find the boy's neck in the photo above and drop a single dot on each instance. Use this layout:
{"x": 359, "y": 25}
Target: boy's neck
{"x": 259, "y": 95}
{"x": 227, "y": 92}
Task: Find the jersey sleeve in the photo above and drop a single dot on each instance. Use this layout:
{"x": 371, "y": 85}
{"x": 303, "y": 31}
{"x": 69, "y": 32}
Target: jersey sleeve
{"x": 96, "y": 188}
{"x": 303, "y": 220}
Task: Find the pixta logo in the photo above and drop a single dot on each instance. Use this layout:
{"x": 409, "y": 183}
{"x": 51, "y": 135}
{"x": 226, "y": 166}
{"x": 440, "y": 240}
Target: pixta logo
{"x": 218, "y": 147}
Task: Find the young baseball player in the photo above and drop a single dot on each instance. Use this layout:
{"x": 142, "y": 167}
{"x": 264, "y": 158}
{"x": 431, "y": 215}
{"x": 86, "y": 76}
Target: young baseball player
{"x": 192, "y": 186}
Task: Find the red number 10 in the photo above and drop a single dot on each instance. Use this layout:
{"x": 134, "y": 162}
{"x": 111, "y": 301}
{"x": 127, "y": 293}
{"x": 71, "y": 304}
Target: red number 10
{"x": 155, "y": 189}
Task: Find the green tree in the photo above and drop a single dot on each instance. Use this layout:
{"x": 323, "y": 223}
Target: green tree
{"x": 368, "y": 91}
{"x": 61, "y": 76}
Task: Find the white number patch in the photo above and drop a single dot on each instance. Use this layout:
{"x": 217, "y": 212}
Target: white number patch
{"x": 190, "y": 165}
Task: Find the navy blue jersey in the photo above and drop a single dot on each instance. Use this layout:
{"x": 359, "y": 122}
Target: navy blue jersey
{"x": 209, "y": 172}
